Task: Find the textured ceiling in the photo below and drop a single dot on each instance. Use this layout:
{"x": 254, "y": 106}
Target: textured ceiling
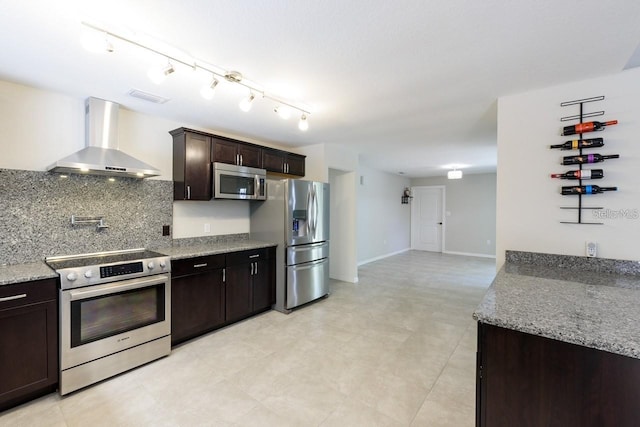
{"x": 411, "y": 85}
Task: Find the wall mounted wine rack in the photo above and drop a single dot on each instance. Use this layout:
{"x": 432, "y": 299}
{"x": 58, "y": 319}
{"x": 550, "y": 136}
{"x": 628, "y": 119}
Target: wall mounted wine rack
{"x": 580, "y": 118}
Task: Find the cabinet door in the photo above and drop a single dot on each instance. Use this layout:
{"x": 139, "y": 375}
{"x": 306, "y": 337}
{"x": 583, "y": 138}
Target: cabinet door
{"x": 264, "y": 295}
{"x": 238, "y": 291}
{"x": 295, "y": 164}
{"x": 197, "y": 304}
{"x": 224, "y": 151}
{"x": 28, "y": 352}
{"x": 191, "y": 167}
{"x": 273, "y": 160}
{"x": 250, "y": 155}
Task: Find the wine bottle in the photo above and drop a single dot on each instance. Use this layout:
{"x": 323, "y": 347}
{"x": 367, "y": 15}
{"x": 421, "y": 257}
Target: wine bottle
{"x": 587, "y": 158}
{"x": 580, "y": 143}
{"x": 586, "y": 189}
{"x": 587, "y": 127}
{"x": 580, "y": 174}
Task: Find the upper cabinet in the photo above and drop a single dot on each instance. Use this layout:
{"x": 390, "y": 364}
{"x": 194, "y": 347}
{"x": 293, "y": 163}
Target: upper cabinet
{"x": 192, "y": 177}
{"x": 235, "y": 152}
{"x": 283, "y": 162}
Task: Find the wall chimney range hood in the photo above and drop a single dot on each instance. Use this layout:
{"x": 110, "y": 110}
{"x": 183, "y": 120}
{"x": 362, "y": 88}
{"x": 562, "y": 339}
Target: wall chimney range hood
{"x": 101, "y": 155}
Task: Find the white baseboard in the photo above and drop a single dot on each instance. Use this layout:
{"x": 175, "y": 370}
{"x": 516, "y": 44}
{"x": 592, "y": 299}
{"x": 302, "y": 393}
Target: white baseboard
{"x": 367, "y": 261}
{"x": 469, "y": 254}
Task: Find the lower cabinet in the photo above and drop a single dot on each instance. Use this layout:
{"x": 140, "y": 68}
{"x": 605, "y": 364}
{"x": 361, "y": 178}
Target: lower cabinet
{"x": 528, "y": 380}
{"x": 213, "y": 291}
{"x": 28, "y": 341}
{"x": 197, "y": 296}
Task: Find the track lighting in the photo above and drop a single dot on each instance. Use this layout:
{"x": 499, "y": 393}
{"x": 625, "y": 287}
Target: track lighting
{"x": 158, "y": 74}
{"x": 245, "y": 104}
{"x": 97, "y": 42}
{"x": 283, "y": 111}
{"x": 303, "y": 124}
{"x": 208, "y": 91}
{"x": 284, "y": 108}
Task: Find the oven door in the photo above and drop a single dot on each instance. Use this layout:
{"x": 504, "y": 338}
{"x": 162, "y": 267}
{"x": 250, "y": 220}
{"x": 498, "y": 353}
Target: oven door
{"x": 97, "y": 321}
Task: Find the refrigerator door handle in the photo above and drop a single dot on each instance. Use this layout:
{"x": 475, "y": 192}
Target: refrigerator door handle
{"x": 315, "y": 211}
{"x": 309, "y": 201}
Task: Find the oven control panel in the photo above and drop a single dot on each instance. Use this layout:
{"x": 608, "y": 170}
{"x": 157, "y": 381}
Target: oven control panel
{"x": 121, "y": 269}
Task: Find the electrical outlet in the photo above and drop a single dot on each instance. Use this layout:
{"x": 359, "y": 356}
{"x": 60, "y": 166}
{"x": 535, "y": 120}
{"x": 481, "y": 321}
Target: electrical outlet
{"x": 207, "y": 228}
{"x": 591, "y": 249}
{"x": 166, "y": 230}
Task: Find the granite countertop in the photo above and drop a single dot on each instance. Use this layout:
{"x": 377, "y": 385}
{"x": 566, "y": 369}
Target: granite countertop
{"x": 595, "y": 309}
{"x": 201, "y": 249}
{"x": 17, "y": 273}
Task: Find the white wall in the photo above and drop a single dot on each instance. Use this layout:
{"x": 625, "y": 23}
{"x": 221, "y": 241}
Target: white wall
{"x": 384, "y": 223}
{"x": 470, "y": 207}
{"x": 529, "y": 202}
{"x": 40, "y": 127}
{"x": 343, "y": 226}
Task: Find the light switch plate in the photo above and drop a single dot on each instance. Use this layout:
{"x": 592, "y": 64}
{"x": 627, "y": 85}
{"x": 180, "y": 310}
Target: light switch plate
{"x": 591, "y": 249}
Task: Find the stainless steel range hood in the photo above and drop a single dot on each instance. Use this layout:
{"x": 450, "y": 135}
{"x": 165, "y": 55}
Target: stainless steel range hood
{"x": 101, "y": 155}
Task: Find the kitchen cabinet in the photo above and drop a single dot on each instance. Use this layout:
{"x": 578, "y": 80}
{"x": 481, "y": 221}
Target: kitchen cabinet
{"x": 192, "y": 176}
{"x": 283, "y": 162}
{"x": 236, "y": 153}
{"x": 250, "y": 282}
{"x": 529, "y": 380}
{"x": 28, "y": 341}
{"x": 197, "y": 296}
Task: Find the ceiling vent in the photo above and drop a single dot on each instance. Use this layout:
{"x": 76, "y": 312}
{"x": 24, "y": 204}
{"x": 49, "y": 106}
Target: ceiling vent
{"x": 149, "y": 97}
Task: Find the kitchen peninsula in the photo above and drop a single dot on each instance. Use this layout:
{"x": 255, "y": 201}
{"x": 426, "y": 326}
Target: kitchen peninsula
{"x": 559, "y": 343}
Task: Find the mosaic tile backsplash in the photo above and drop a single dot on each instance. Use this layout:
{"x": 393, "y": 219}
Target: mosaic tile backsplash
{"x": 36, "y": 209}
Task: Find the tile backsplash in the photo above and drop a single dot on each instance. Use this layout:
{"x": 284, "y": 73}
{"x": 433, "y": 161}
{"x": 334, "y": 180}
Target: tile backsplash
{"x": 36, "y": 209}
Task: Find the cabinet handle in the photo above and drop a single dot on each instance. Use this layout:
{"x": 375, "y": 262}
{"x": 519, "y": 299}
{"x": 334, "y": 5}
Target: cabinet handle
{"x": 251, "y": 269}
{"x": 11, "y": 298}
{"x": 188, "y": 192}
{"x": 241, "y": 160}
{"x": 199, "y": 265}
{"x": 224, "y": 275}
{"x": 287, "y": 167}
{"x": 254, "y": 256}
{"x": 256, "y": 269}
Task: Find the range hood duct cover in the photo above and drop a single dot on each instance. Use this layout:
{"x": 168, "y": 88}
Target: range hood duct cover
{"x": 101, "y": 155}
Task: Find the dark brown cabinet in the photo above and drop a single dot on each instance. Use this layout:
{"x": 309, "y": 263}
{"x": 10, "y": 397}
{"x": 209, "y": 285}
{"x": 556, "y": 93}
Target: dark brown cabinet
{"x": 212, "y": 291}
{"x": 197, "y": 296}
{"x": 28, "y": 341}
{"x": 192, "y": 176}
{"x": 236, "y": 153}
{"x": 529, "y": 380}
{"x": 283, "y": 162}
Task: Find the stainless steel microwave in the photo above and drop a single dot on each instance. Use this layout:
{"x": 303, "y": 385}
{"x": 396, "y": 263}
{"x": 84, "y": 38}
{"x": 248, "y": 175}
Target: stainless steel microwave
{"x": 238, "y": 182}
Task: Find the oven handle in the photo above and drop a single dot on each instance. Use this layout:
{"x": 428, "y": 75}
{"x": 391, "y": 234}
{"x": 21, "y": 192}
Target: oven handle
{"x": 110, "y": 288}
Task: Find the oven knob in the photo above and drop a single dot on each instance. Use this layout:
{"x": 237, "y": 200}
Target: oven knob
{"x": 88, "y": 274}
{"x": 163, "y": 264}
{"x": 72, "y": 276}
{"x": 151, "y": 265}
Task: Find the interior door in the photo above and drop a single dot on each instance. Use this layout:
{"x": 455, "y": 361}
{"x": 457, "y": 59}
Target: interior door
{"x": 426, "y": 218}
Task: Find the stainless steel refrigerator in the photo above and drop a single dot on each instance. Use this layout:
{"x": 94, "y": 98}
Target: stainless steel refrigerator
{"x": 296, "y": 217}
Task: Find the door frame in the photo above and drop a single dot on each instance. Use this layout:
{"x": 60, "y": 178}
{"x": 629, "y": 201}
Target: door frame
{"x": 443, "y": 213}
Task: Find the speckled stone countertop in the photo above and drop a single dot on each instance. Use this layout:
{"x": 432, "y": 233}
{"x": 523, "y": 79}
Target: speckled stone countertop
{"x": 201, "y": 249}
{"x": 17, "y": 273}
{"x": 595, "y": 309}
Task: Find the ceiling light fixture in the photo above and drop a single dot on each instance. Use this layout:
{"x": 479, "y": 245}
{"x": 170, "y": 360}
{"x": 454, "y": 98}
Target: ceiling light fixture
{"x": 283, "y": 111}
{"x": 208, "y": 91}
{"x": 303, "y": 124}
{"x": 246, "y": 103}
{"x": 234, "y": 77}
{"x": 158, "y": 74}
{"x": 454, "y": 174}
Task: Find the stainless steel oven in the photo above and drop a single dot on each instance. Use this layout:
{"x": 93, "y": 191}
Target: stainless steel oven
{"x": 238, "y": 182}
{"x": 115, "y": 314}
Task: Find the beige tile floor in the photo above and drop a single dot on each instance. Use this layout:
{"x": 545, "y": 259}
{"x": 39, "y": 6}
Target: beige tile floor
{"x": 395, "y": 349}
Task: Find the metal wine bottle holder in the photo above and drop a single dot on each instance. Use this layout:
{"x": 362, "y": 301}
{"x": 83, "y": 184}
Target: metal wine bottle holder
{"x": 580, "y": 117}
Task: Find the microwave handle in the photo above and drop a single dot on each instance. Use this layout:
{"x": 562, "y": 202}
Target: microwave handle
{"x": 258, "y": 186}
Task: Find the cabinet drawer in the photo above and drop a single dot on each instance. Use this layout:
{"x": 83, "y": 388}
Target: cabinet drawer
{"x": 28, "y": 293}
{"x": 246, "y": 256}
{"x": 186, "y": 266}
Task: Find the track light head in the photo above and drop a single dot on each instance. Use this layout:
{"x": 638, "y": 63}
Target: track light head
{"x": 303, "y": 124}
{"x": 208, "y": 91}
{"x": 245, "y": 104}
{"x": 283, "y": 111}
{"x": 158, "y": 74}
